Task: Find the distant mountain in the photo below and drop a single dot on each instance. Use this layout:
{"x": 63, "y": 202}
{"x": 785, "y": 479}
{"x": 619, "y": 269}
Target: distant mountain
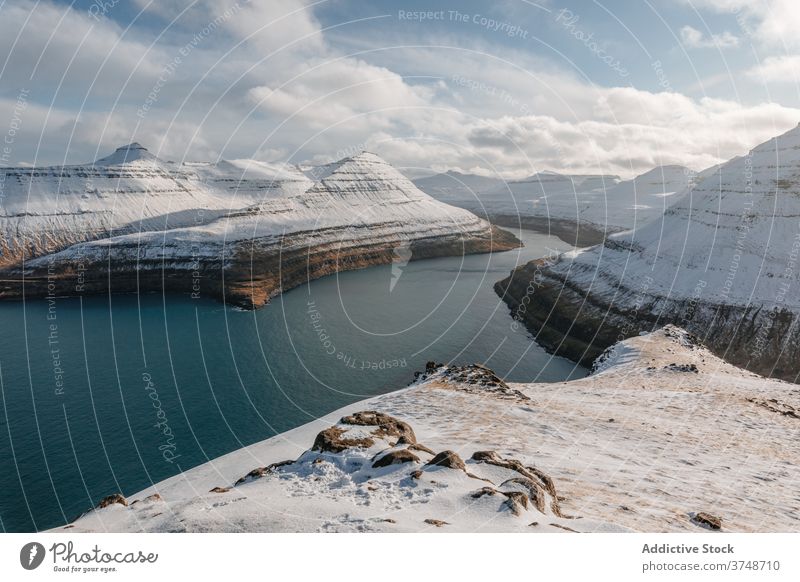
{"x": 457, "y": 188}
{"x": 721, "y": 262}
{"x": 580, "y": 208}
{"x": 242, "y": 229}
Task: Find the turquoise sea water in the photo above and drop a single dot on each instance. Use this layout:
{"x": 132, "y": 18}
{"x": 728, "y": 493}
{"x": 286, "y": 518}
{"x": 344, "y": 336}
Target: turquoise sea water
{"x": 103, "y": 395}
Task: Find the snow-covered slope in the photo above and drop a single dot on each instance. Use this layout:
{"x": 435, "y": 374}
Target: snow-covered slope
{"x": 722, "y": 262}
{"x": 459, "y": 189}
{"x": 241, "y": 229}
{"x": 661, "y": 432}
{"x": 602, "y": 202}
{"x": 566, "y": 204}
{"x": 45, "y": 210}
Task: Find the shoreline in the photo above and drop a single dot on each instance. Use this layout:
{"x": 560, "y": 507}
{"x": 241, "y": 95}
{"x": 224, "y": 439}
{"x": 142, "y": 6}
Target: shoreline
{"x": 658, "y": 410}
{"x": 248, "y": 280}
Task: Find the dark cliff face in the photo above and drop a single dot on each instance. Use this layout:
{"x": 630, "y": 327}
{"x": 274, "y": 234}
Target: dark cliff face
{"x": 241, "y": 231}
{"x": 247, "y": 274}
{"x": 721, "y": 262}
{"x": 578, "y": 324}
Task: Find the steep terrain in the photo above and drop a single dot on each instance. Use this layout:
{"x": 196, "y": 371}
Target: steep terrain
{"x": 663, "y": 436}
{"x": 242, "y": 230}
{"x": 580, "y": 209}
{"x": 722, "y": 262}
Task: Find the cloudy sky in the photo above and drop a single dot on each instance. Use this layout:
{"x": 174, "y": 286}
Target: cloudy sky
{"x": 511, "y": 87}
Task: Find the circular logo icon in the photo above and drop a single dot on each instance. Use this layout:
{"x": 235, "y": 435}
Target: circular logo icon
{"x": 31, "y": 555}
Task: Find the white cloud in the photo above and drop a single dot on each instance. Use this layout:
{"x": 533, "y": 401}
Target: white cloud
{"x": 772, "y": 23}
{"x": 310, "y": 101}
{"x": 779, "y": 69}
{"x": 693, "y": 38}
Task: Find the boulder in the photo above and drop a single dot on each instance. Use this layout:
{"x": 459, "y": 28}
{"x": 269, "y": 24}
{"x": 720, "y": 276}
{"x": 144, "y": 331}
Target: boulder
{"x": 396, "y": 458}
{"x": 448, "y": 459}
{"x": 707, "y": 520}
{"x": 111, "y": 500}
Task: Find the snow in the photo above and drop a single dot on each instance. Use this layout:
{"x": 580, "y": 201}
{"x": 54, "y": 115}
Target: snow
{"x": 129, "y": 154}
{"x": 603, "y": 201}
{"x": 736, "y": 233}
{"x": 133, "y": 200}
{"x": 663, "y": 430}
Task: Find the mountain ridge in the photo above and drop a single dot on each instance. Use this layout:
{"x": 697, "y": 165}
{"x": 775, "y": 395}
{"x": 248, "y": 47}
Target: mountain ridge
{"x": 722, "y": 262}
{"x": 246, "y": 230}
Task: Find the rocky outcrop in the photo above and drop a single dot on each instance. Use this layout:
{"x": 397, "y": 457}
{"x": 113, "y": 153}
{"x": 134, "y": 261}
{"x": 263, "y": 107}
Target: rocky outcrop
{"x": 239, "y": 231}
{"x": 116, "y": 498}
{"x": 483, "y": 462}
{"x": 372, "y": 458}
{"x": 388, "y": 443}
{"x": 475, "y": 379}
{"x": 707, "y": 520}
{"x": 723, "y": 264}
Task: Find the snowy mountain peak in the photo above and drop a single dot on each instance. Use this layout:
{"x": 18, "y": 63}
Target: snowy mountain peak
{"x": 786, "y": 141}
{"x": 670, "y": 178}
{"x": 133, "y": 152}
{"x": 362, "y": 166}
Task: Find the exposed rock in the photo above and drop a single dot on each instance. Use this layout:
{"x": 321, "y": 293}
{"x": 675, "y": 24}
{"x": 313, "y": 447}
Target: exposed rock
{"x": 111, "y": 500}
{"x": 536, "y": 476}
{"x": 388, "y": 426}
{"x": 534, "y": 491}
{"x": 259, "y": 472}
{"x": 431, "y": 367}
{"x": 579, "y": 304}
{"x": 474, "y": 379}
{"x": 707, "y": 520}
{"x": 774, "y": 405}
{"x": 139, "y": 218}
{"x": 491, "y": 491}
{"x": 421, "y": 448}
{"x": 149, "y": 499}
{"x": 448, "y": 459}
{"x": 682, "y": 368}
{"x": 331, "y": 440}
{"x": 396, "y": 458}
{"x": 341, "y": 466}
{"x": 565, "y": 528}
{"x": 517, "y": 501}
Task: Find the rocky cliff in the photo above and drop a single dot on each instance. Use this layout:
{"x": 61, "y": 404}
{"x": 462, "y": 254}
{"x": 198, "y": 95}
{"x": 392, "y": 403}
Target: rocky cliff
{"x": 721, "y": 262}
{"x": 239, "y": 230}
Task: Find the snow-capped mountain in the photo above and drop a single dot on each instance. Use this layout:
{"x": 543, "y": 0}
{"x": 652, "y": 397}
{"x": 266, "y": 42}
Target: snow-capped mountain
{"x": 723, "y": 262}
{"x": 581, "y": 208}
{"x": 458, "y": 188}
{"x": 258, "y": 227}
{"x": 46, "y": 210}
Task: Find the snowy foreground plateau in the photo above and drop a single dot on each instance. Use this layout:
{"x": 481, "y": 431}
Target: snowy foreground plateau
{"x": 663, "y": 436}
